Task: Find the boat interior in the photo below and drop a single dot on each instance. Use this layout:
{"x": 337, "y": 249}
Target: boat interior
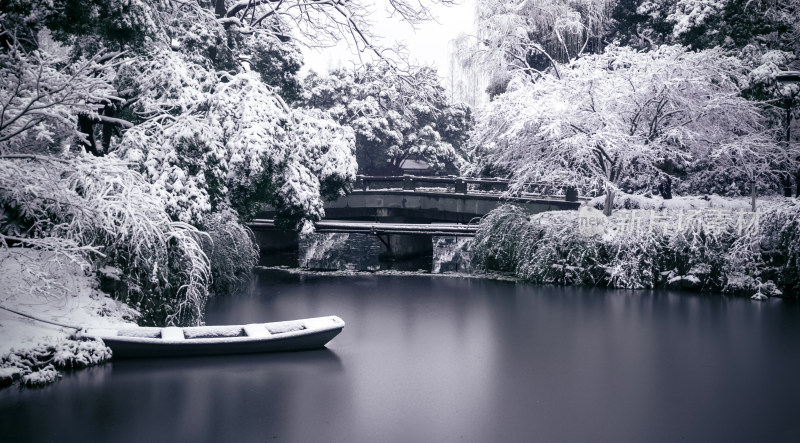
{"x": 202, "y": 332}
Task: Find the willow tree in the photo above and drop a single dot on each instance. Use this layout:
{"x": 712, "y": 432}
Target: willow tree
{"x": 533, "y": 36}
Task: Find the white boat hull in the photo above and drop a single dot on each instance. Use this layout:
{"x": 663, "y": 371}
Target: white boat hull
{"x": 294, "y": 335}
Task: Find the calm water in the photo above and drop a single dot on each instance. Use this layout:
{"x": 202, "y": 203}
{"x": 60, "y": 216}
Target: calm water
{"x": 431, "y": 359}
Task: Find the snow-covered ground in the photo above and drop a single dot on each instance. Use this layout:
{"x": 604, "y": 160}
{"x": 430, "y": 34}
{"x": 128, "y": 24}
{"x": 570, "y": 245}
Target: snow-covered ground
{"x": 37, "y": 284}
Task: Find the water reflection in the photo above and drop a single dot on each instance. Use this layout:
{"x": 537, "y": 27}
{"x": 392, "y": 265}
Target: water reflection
{"x": 445, "y": 359}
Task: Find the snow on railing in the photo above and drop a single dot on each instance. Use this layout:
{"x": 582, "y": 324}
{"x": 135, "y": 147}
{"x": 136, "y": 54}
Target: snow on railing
{"x": 459, "y": 185}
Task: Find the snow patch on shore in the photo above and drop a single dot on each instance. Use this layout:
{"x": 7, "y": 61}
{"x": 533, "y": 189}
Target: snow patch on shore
{"x": 47, "y": 287}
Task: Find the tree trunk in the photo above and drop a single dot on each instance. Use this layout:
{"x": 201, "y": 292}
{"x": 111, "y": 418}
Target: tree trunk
{"x": 86, "y": 126}
{"x": 797, "y": 184}
{"x": 753, "y": 196}
{"x": 609, "y": 203}
{"x": 108, "y": 130}
{"x": 788, "y": 126}
{"x": 219, "y": 8}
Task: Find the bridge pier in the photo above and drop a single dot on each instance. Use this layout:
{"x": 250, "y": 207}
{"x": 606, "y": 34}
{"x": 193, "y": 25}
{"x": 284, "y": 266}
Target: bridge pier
{"x": 461, "y": 186}
{"x": 275, "y": 241}
{"x": 403, "y": 246}
{"x": 355, "y": 251}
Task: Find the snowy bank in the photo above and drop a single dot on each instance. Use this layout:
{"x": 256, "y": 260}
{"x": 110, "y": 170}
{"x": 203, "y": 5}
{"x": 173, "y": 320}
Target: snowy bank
{"x": 40, "y": 285}
{"x": 689, "y": 202}
{"x": 740, "y": 253}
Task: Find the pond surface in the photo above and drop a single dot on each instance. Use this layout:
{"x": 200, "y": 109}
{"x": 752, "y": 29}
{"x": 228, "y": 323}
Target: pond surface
{"x": 435, "y": 359}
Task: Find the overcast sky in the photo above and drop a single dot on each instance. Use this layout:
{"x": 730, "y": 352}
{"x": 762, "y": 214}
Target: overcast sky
{"x": 429, "y": 44}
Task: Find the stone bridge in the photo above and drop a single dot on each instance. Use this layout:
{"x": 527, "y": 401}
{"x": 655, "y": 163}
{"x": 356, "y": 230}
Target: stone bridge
{"x": 413, "y": 199}
{"x": 407, "y": 215}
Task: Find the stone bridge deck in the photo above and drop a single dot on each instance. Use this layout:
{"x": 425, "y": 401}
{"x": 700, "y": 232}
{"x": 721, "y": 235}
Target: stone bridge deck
{"x": 433, "y": 205}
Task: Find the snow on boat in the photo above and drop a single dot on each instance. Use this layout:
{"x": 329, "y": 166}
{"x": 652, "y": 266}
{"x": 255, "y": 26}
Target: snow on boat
{"x": 309, "y": 333}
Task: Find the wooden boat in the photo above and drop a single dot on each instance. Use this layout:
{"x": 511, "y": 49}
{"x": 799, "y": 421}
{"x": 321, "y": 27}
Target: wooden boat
{"x": 309, "y": 333}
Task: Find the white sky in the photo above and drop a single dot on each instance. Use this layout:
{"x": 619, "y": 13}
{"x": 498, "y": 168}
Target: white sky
{"x": 429, "y": 44}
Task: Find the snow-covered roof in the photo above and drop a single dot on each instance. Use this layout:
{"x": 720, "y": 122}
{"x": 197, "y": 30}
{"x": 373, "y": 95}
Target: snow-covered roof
{"x": 413, "y": 164}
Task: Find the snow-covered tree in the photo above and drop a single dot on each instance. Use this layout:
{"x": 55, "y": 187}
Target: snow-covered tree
{"x": 756, "y": 158}
{"x": 531, "y": 36}
{"x": 395, "y": 116}
{"x": 763, "y": 34}
{"x": 322, "y": 23}
{"x": 781, "y": 100}
{"x": 736, "y": 23}
{"x": 177, "y": 61}
{"x": 705, "y": 24}
{"x": 238, "y": 144}
{"x": 203, "y": 130}
{"x": 620, "y": 115}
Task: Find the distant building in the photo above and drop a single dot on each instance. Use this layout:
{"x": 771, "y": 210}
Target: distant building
{"x": 415, "y": 167}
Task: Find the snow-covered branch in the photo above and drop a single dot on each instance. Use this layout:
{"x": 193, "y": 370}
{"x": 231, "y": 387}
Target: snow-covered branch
{"x": 41, "y": 95}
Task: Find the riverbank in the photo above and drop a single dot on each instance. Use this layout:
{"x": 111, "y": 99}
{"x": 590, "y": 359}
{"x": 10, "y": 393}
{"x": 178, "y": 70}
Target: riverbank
{"x": 39, "y": 286}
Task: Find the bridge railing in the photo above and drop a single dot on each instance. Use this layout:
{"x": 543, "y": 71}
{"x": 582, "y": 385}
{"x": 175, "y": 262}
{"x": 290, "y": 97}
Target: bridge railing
{"x": 459, "y": 185}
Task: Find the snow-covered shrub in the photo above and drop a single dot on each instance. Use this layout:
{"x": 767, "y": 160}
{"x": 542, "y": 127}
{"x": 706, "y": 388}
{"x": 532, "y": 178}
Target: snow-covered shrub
{"x": 231, "y": 250}
{"x": 551, "y": 251}
{"x": 677, "y": 203}
{"x": 80, "y": 354}
{"x": 740, "y": 284}
{"x": 41, "y": 377}
{"x": 542, "y": 249}
{"x": 39, "y": 366}
{"x": 548, "y": 248}
{"x": 780, "y": 245}
{"x": 700, "y": 258}
{"x": 498, "y": 237}
{"x": 635, "y": 260}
